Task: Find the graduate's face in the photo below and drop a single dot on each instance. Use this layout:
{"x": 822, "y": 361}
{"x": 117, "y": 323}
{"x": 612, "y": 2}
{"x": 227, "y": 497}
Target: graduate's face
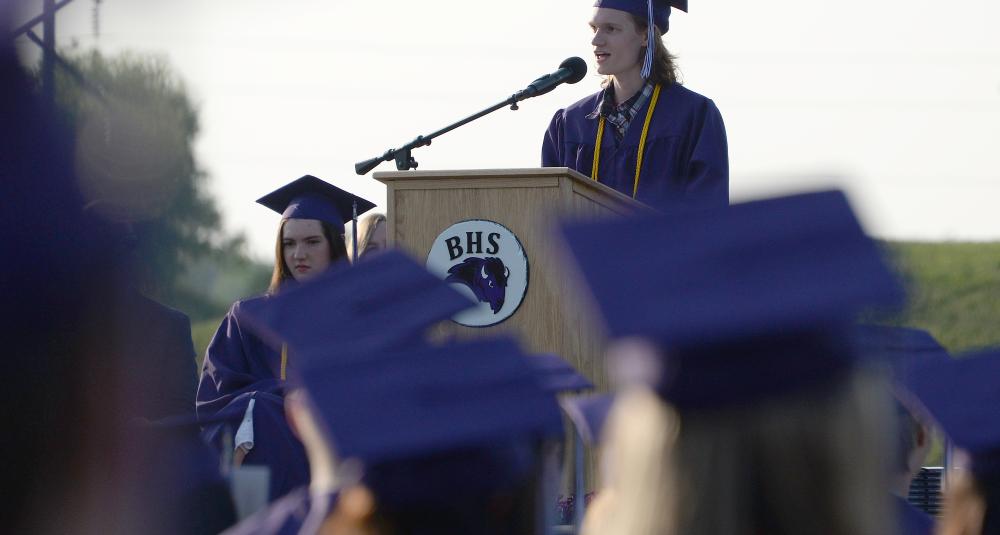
{"x": 618, "y": 43}
{"x": 305, "y": 248}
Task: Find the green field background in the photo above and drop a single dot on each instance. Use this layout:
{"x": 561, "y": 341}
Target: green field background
{"x": 954, "y": 291}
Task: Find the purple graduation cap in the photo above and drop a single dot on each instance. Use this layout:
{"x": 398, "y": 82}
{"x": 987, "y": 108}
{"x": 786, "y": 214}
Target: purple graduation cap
{"x": 962, "y": 396}
{"x": 434, "y": 423}
{"x": 641, "y": 8}
{"x": 311, "y": 198}
{"x": 557, "y": 375}
{"x": 382, "y": 300}
{"x": 657, "y": 14}
{"x": 745, "y": 302}
{"x": 900, "y": 348}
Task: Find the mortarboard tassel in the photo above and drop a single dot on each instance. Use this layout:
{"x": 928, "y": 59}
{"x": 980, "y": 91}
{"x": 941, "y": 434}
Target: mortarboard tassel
{"x": 354, "y": 232}
{"x": 647, "y": 64}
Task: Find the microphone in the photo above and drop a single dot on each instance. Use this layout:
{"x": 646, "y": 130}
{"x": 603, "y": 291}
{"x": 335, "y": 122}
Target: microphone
{"x": 570, "y": 71}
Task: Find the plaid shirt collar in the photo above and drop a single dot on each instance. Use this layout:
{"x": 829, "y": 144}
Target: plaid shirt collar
{"x": 621, "y": 115}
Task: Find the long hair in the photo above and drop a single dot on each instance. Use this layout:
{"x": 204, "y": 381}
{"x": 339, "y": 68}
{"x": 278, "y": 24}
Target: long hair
{"x": 664, "y": 71}
{"x": 638, "y": 494}
{"x": 366, "y": 229}
{"x": 811, "y": 462}
{"x": 281, "y": 273}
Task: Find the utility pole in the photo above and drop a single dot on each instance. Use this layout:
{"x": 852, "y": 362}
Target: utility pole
{"x": 49, "y": 50}
{"x": 47, "y": 43}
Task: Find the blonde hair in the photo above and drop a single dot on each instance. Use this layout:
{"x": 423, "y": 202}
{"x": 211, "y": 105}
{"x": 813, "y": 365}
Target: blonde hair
{"x": 638, "y": 497}
{"x": 366, "y": 229}
{"x": 964, "y": 507}
{"x": 811, "y": 462}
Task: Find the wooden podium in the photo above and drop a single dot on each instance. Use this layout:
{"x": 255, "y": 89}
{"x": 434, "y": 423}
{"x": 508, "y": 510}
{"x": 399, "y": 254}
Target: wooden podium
{"x": 528, "y": 202}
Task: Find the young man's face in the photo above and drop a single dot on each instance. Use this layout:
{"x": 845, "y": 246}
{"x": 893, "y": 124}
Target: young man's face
{"x": 618, "y": 43}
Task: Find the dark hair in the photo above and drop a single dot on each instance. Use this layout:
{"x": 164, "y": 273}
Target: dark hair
{"x": 338, "y": 250}
{"x": 504, "y": 501}
{"x": 989, "y": 489}
{"x": 664, "y": 71}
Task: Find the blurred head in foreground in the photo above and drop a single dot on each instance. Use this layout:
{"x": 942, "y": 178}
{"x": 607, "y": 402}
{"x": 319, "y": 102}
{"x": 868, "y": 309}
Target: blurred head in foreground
{"x": 962, "y": 396}
{"x": 452, "y": 439}
{"x": 902, "y": 349}
{"x": 76, "y": 462}
{"x": 344, "y": 308}
{"x": 51, "y": 355}
{"x": 742, "y": 408}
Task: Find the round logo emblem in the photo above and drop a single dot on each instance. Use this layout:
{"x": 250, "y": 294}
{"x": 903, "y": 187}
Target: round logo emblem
{"x": 485, "y": 261}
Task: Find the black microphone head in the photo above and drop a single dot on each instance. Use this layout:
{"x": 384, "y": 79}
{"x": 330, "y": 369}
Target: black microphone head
{"x": 578, "y": 66}
{"x": 362, "y": 168}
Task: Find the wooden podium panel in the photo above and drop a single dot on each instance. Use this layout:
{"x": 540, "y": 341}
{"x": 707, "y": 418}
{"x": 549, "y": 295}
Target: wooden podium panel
{"x": 551, "y": 319}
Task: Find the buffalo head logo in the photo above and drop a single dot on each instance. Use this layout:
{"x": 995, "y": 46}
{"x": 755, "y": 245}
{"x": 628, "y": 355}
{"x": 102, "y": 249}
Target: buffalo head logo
{"x": 486, "y": 277}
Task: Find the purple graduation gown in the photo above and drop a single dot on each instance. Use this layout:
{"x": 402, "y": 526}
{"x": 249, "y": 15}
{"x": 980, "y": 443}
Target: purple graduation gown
{"x": 686, "y": 160}
{"x": 298, "y": 513}
{"x": 912, "y": 521}
{"x": 239, "y": 367}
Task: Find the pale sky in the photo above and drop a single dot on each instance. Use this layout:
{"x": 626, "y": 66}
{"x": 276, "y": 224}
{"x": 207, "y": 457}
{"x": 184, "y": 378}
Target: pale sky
{"x": 896, "y": 101}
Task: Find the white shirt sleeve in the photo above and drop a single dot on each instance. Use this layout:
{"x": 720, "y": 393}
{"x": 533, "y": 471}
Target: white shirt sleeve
{"x": 244, "y": 435}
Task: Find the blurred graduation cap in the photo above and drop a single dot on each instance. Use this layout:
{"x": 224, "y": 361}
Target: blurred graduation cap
{"x": 381, "y": 300}
{"x": 557, "y": 375}
{"x": 900, "y": 348}
{"x": 962, "y": 396}
{"x": 657, "y": 15}
{"x": 727, "y": 293}
{"x": 311, "y": 198}
{"x": 588, "y": 414}
{"x": 433, "y": 423}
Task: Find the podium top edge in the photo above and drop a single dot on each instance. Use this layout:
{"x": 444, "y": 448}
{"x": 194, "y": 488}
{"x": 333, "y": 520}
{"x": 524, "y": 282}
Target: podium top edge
{"x": 389, "y": 177}
{"x": 383, "y": 176}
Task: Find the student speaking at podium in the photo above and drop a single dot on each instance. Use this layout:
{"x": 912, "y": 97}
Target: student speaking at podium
{"x": 643, "y": 134}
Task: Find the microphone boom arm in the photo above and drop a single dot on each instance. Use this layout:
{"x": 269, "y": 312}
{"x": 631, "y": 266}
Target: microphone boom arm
{"x": 403, "y": 155}
{"x": 570, "y": 71}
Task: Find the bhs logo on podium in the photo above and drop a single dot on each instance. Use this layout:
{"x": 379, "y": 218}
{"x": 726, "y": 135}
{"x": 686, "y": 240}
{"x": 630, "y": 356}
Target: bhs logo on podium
{"x": 485, "y": 261}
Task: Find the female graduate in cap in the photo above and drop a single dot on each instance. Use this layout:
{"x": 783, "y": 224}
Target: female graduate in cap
{"x": 246, "y": 377}
{"x": 644, "y": 134}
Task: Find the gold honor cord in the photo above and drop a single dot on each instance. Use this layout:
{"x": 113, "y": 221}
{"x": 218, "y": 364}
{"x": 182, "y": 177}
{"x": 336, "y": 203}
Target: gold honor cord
{"x": 642, "y": 142}
{"x": 597, "y": 149}
{"x": 284, "y": 360}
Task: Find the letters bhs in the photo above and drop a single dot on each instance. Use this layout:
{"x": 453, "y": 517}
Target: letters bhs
{"x": 473, "y": 244}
